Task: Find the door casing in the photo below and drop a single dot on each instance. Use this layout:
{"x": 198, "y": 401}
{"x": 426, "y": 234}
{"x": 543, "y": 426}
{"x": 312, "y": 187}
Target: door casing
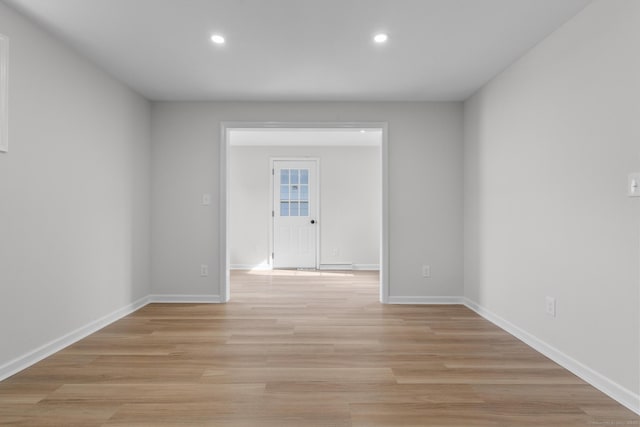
{"x": 227, "y": 127}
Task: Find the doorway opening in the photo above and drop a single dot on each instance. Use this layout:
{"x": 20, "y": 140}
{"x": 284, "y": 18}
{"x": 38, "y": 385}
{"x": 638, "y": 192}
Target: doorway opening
{"x": 289, "y": 157}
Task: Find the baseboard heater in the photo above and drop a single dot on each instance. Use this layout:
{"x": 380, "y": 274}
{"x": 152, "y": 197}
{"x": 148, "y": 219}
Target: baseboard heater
{"x": 348, "y": 266}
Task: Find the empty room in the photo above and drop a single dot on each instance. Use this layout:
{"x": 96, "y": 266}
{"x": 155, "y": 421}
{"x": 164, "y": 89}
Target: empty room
{"x": 335, "y": 213}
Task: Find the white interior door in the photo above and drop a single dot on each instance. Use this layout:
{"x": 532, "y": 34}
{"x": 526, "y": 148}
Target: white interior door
{"x": 295, "y": 208}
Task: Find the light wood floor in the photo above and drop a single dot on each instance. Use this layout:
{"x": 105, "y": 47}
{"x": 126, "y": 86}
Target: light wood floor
{"x": 303, "y": 349}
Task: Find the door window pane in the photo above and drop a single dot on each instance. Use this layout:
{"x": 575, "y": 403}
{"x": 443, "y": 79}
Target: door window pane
{"x": 284, "y": 192}
{"x": 304, "y": 209}
{"x": 294, "y": 192}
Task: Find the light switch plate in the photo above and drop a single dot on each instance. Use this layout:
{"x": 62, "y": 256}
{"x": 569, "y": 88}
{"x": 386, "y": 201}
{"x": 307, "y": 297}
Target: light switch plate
{"x": 633, "y": 185}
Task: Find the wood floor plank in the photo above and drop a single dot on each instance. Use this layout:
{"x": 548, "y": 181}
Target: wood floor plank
{"x": 303, "y": 348}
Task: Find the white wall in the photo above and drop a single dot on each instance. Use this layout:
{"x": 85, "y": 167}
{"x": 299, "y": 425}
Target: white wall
{"x": 350, "y": 197}
{"x": 425, "y": 168}
{"x": 74, "y": 193}
{"x": 548, "y": 146}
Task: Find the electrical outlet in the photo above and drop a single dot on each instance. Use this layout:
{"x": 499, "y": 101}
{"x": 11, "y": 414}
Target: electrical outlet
{"x": 426, "y": 271}
{"x": 204, "y": 270}
{"x": 550, "y": 306}
{"x": 206, "y": 199}
{"x": 633, "y": 185}
{"x": 335, "y": 252}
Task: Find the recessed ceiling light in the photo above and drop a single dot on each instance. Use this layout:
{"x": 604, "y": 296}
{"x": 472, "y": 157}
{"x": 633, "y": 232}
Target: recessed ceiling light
{"x": 362, "y": 130}
{"x": 380, "y": 38}
{"x": 217, "y": 39}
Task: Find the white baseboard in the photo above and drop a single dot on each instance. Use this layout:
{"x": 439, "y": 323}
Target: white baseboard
{"x": 46, "y": 350}
{"x": 348, "y": 266}
{"x": 367, "y": 267}
{"x": 614, "y": 390}
{"x": 338, "y": 267}
{"x": 20, "y": 363}
{"x": 424, "y": 300}
{"x": 168, "y": 298}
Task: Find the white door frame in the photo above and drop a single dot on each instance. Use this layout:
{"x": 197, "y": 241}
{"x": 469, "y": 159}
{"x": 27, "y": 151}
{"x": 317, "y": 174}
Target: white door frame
{"x": 228, "y": 126}
{"x": 317, "y": 192}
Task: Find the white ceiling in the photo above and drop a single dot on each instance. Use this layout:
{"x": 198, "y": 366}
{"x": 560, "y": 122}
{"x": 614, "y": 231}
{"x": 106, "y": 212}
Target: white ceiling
{"x": 302, "y": 49}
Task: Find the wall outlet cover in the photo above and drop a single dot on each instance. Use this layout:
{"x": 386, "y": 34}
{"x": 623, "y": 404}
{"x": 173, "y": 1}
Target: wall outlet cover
{"x": 204, "y": 270}
{"x": 426, "y": 271}
{"x": 633, "y": 185}
{"x": 550, "y": 306}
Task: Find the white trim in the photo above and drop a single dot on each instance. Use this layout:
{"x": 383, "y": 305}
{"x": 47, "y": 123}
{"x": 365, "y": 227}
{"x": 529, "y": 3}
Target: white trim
{"x": 272, "y": 184}
{"x": 225, "y": 254}
{"x": 385, "y": 286}
{"x": 266, "y": 267}
{"x": 367, "y": 267}
{"x": 225, "y": 129}
{"x": 345, "y": 266}
{"x": 425, "y": 300}
{"x": 16, "y": 365}
{"x": 183, "y": 299}
{"x": 612, "y": 389}
{"x": 350, "y": 266}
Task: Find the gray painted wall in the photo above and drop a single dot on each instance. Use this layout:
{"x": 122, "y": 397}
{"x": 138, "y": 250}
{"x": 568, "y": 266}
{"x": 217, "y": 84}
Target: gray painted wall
{"x": 425, "y": 169}
{"x": 548, "y": 147}
{"x": 74, "y": 193}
